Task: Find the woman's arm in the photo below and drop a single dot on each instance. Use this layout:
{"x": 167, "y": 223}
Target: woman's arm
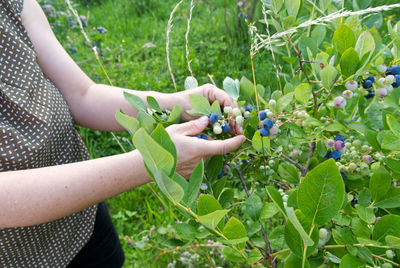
{"x": 35, "y": 196}
{"x": 94, "y": 105}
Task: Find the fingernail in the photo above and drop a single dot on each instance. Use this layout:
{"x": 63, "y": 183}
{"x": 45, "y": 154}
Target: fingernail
{"x": 203, "y": 119}
{"x": 241, "y": 130}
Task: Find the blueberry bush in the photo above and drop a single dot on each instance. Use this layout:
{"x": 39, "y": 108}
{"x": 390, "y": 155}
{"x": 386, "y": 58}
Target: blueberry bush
{"x": 316, "y": 182}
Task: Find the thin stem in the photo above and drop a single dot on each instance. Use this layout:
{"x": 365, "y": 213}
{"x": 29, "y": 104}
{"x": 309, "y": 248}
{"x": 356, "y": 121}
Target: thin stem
{"x": 310, "y": 155}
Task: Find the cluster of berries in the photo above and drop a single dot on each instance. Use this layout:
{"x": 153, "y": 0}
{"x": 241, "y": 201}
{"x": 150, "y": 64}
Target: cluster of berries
{"x": 219, "y": 126}
{"x": 338, "y": 145}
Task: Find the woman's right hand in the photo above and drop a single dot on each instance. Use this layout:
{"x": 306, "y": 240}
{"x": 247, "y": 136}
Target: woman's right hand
{"x": 191, "y": 150}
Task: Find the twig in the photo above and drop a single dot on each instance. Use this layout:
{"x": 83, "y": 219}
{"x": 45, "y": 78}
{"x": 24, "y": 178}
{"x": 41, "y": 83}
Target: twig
{"x": 262, "y": 228}
{"x": 386, "y": 260}
{"x": 169, "y": 28}
{"x": 342, "y": 226}
{"x": 310, "y": 155}
{"x": 290, "y": 160}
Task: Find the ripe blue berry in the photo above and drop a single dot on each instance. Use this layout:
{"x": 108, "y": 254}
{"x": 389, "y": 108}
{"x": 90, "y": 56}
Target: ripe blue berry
{"x": 336, "y": 155}
{"x": 371, "y": 77}
{"x": 248, "y": 108}
{"x": 226, "y": 128}
{"x": 367, "y": 84}
{"x": 328, "y": 154}
{"x": 370, "y": 94}
{"x": 263, "y": 115}
{"x": 395, "y": 69}
{"x": 388, "y": 71}
{"x": 203, "y": 136}
{"x": 343, "y": 175}
{"x": 264, "y": 132}
{"x": 354, "y": 201}
{"x": 339, "y": 138}
{"x": 213, "y": 118}
{"x": 396, "y": 84}
{"x": 221, "y": 174}
{"x": 268, "y": 123}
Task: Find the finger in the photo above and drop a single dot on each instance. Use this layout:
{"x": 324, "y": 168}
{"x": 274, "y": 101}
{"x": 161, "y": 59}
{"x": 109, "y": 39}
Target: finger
{"x": 222, "y": 147}
{"x": 213, "y": 93}
{"x": 193, "y": 127}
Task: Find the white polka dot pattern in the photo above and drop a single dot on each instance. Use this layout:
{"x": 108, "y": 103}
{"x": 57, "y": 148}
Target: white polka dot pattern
{"x": 36, "y": 130}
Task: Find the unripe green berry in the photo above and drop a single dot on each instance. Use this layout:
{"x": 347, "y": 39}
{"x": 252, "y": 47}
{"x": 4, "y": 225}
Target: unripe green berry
{"x": 217, "y": 129}
{"x": 352, "y": 167}
{"x": 390, "y": 254}
{"x": 271, "y": 163}
{"x": 239, "y": 120}
{"x": 387, "y": 265}
{"x": 236, "y": 112}
{"x": 228, "y": 109}
{"x": 364, "y": 148}
{"x": 270, "y": 114}
{"x": 247, "y": 114}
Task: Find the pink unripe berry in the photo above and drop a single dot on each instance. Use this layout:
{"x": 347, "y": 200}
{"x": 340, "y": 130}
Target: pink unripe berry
{"x": 274, "y": 130}
{"x": 295, "y": 153}
{"x": 351, "y": 85}
{"x": 382, "y": 92}
{"x": 367, "y": 159}
{"x": 377, "y": 219}
{"x": 339, "y": 102}
{"x": 330, "y": 143}
{"x": 348, "y": 94}
{"x": 339, "y": 145}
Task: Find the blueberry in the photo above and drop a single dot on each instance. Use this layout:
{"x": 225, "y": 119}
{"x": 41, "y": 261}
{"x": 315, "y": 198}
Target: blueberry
{"x": 244, "y": 160}
{"x": 203, "y": 136}
{"x": 343, "y": 175}
{"x": 213, "y": 118}
{"x": 248, "y": 108}
{"x": 263, "y": 115}
{"x": 354, "y": 201}
{"x": 328, "y": 154}
{"x": 336, "y": 155}
{"x": 396, "y": 84}
{"x": 221, "y": 174}
{"x": 371, "y": 77}
{"x": 395, "y": 69}
{"x": 198, "y": 136}
{"x": 268, "y": 123}
{"x": 367, "y": 84}
{"x": 388, "y": 71}
{"x": 339, "y": 138}
{"x": 226, "y": 128}
{"x": 264, "y": 132}
{"x": 370, "y": 94}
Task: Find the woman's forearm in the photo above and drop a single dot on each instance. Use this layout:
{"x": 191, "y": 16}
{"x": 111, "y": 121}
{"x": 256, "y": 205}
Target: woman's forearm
{"x": 35, "y": 196}
{"x": 96, "y": 108}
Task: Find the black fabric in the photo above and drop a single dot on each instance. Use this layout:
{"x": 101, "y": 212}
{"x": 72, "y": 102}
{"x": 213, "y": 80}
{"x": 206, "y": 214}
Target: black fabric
{"x": 104, "y": 248}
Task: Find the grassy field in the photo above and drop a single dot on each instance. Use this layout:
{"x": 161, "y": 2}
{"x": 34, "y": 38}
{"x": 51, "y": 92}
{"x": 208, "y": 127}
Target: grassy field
{"x": 133, "y": 53}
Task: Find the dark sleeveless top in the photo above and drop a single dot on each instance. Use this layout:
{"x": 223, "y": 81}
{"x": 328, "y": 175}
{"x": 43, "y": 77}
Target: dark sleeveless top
{"x": 36, "y": 130}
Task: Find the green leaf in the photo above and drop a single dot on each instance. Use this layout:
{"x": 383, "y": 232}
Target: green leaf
{"x": 276, "y": 5}
{"x": 288, "y": 173}
{"x": 292, "y": 7}
{"x": 393, "y": 164}
{"x": 190, "y": 82}
{"x": 147, "y": 121}
{"x": 213, "y": 219}
{"x": 293, "y": 238}
{"x": 216, "y": 108}
{"x": 349, "y": 62}
{"x": 254, "y": 207}
{"x": 302, "y": 93}
{"x": 297, "y": 226}
{"x": 387, "y": 225}
{"x": 284, "y": 101}
{"x": 246, "y": 88}
{"x": 328, "y": 76}
{"x": 260, "y": 144}
{"x": 254, "y": 256}
{"x": 185, "y": 231}
{"x": 393, "y": 124}
{"x": 343, "y": 38}
{"x": 379, "y": 184}
{"x": 234, "y": 229}
{"x": 366, "y": 214}
{"x": 393, "y": 241}
{"x": 195, "y": 180}
{"x": 200, "y": 104}
{"x": 268, "y": 210}
{"x": 349, "y": 261}
{"x": 294, "y": 261}
{"x": 129, "y": 123}
{"x": 175, "y": 114}
{"x": 154, "y": 155}
{"x": 160, "y": 135}
{"x": 318, "y": 34}
{"x": 169, "y": 187}
{"x": 365, "y": 43}
{"x": 214, "y": 166}
{"x": 370, "y": 136}
{"x": 391, "y": 142}
{"x": 207, "y": 204}
{"x": 153, "y": 104}
{"x": 336, "y": 127}
{"x": 231, "y": 87}
{"x": 232, "y": 254}
{"x": 234, "y": 241}
{"x": 276, "y": 198}
{"x": 321, "y": 193}
{"x": 392, "y": 199}
{"x": 135, "y": 101}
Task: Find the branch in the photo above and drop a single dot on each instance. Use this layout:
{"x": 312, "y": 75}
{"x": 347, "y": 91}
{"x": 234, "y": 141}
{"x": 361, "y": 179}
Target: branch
{"x": 262, "y": 227}
{"x": 310, "y": 155}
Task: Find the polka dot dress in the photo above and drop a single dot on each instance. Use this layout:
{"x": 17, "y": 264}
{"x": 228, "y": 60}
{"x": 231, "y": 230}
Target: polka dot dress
{"x": 36, "y": 130}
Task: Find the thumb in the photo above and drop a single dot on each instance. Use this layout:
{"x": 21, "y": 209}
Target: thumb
{"x": 193, "y": 127}
{"x": 225, "y": 146}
